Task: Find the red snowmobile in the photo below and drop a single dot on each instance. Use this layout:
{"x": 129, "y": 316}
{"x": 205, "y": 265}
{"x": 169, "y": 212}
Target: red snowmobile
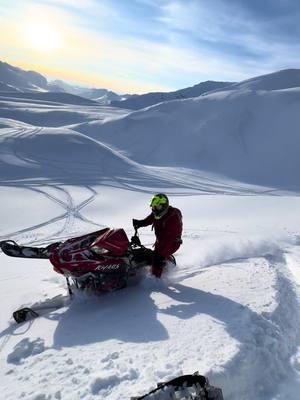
{"x": 101, "y": 261}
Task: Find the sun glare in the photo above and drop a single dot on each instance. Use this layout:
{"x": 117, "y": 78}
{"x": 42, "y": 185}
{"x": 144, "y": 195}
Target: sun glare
{"x": 43, "y": 37}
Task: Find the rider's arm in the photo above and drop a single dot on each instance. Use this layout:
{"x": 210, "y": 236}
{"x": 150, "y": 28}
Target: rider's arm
{"x": 146, "y": 221}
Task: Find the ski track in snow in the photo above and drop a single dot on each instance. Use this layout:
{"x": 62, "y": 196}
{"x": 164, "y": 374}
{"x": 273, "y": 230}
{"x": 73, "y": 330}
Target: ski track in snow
{"x": 182, "y": 178}
{"x": 72, "y": 211}
{"x": 245, "y": 341}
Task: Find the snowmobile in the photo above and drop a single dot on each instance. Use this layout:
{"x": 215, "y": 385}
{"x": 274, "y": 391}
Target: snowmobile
{"x": 184, "y": 387}
{"x": 102, "y": 261}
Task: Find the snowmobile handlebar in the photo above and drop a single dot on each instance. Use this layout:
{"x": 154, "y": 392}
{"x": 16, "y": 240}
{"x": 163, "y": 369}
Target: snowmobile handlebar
{"x": 135, "y": 240}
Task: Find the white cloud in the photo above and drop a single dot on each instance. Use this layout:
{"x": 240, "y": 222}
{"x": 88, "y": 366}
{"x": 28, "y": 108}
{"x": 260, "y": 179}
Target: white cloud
{"x": 79, "y": 4}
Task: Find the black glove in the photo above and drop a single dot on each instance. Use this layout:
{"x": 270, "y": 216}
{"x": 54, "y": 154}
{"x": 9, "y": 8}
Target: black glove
{"x": 135, "y": 240}
{"x": 136, "y": 223}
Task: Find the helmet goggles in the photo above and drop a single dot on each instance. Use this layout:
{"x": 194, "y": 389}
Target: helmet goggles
{"x": 159, "y": 205}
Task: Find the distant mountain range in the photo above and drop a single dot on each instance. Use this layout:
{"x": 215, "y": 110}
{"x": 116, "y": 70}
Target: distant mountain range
{"x": 137, "y": 102}
{"x": 102, "y": 96}
{"x": 18, "y": 81}
{"x": 14, "y": 79}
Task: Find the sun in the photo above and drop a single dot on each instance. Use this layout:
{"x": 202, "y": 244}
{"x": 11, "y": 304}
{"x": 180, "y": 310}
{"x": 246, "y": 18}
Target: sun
{"x": 43, "y": 37}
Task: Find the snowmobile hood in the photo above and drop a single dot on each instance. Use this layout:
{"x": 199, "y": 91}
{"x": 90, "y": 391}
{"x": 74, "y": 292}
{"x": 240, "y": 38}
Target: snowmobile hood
{"x": 113, "y": 240}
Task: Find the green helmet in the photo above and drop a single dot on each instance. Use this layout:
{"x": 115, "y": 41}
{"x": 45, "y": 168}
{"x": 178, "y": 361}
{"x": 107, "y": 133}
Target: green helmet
{"x": 159, "y": 204}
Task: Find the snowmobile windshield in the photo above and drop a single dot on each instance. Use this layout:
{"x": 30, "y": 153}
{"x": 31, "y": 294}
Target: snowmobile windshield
{"x": 114, "y": 241}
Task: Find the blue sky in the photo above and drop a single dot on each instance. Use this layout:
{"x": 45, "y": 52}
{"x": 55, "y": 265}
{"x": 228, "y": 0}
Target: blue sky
{"x": 149, "y": 45}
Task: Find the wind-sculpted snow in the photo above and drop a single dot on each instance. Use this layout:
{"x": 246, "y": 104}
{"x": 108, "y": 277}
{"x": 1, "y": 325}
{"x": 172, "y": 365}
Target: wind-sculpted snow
{"x": 62, "y": 156}
{"x": 250, "y": 137}
{"x": 35, "y": 110}
{"x": 59, "y": 155}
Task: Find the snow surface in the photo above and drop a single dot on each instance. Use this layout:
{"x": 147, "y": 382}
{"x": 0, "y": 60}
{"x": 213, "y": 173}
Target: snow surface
{"x": 230, "y": 309}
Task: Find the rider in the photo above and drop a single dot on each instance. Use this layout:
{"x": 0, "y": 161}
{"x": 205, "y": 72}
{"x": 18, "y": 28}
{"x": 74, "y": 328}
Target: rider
{"x": 167, "y": 223}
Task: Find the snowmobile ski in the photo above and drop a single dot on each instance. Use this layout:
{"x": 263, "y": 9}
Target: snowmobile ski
{"x": 29, "y": 313}
{"x": 24, "y": 314}
{"x": 12, "y": 249}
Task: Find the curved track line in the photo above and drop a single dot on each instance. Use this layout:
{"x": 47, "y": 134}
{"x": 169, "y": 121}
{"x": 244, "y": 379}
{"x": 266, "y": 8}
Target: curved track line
{"x": 71, "y": 213}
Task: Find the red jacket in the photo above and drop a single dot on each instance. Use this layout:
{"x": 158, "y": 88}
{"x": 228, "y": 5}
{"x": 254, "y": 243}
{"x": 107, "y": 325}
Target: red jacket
{"x": 168, "y": 230}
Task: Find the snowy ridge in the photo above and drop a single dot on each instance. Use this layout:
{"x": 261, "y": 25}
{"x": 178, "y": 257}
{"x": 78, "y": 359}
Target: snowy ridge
{"x": 137, "y": 102}
{"x": 230, "y": 309}
{"x": 20, "y": 79}
{"x": 285, "y": 79}
{"x": 217, "y": 133}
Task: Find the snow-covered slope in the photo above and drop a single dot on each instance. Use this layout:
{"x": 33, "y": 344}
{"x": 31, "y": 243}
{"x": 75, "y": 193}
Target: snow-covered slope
{"x": 64, "y": 98}
{"x": 137, "y": 102}
{"x": 217, "y": 133}
{"x": 230, "y": 309}
{"x": 284, "y": 79}
{"x": 18, "y": 78}
{"x": 7, "y": 88}
{"x": 52, "y": 109}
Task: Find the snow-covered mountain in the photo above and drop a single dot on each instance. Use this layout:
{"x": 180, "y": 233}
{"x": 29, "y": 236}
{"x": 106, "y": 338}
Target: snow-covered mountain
{"x": 16, "y": 79}
{"x": 284, "y": 79}
{"x": 102, "y": 96}
{"x": 20, "y": 79}
{"x": 230, "y": 309}
{"x": 137, "y": 102}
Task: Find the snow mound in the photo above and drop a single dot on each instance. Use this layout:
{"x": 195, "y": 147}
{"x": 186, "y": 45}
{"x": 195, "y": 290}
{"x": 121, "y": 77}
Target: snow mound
{"x": 246, "y": 136}
{"x": 35, "y": 153}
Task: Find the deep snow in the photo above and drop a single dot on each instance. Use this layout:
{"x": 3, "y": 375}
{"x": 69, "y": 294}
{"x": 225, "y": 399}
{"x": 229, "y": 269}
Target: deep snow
{"x": 230, "y": 309}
